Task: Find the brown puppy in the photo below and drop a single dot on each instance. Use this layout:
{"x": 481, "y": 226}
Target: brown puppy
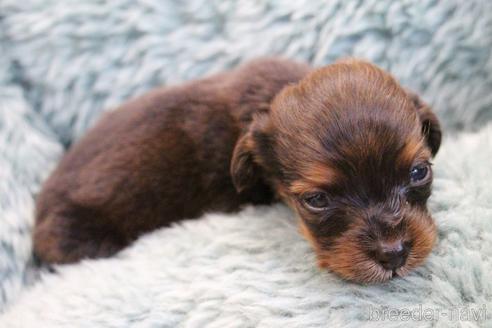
{"x": 347, "y": 148}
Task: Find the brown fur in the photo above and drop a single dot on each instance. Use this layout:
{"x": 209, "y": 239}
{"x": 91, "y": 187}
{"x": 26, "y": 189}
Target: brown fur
{"x": 271, "y": 129}
{"x": 160, "y": 158}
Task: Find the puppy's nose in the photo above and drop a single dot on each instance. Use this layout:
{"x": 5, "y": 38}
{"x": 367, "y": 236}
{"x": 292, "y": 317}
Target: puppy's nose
{"x": 392, "y": 255}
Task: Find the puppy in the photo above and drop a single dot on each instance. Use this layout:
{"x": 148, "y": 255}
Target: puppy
{"x": 344, "y": 146}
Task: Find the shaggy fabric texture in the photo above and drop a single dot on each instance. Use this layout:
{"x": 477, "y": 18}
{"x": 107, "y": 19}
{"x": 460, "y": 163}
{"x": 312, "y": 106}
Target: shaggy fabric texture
{"x": 62, "y": 64}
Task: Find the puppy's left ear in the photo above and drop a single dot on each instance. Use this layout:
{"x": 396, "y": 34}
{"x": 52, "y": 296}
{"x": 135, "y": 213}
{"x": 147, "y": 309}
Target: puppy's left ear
{"x": 245, "y": 168}
{"x": 431, "y": 128}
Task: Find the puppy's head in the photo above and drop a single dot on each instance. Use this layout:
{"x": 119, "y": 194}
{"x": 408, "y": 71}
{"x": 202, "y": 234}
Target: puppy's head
{"x": 349, "y": 150}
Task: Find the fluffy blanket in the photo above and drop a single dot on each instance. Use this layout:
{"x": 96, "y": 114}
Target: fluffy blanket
{"x": 62, "y": 63}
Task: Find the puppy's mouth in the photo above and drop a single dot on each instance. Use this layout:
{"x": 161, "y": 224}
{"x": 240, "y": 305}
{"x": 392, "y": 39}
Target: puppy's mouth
{"x": 386, "y": 274}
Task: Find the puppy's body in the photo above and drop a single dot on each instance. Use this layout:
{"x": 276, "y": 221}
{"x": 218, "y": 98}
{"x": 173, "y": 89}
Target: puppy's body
{"x": 159, "y": 158}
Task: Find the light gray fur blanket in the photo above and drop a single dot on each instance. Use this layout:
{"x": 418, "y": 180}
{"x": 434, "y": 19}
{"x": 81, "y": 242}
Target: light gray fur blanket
{"x": 63, "y": 62}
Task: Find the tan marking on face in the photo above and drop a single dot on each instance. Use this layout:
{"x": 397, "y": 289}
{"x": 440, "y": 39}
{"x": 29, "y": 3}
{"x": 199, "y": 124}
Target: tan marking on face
{"x": 313, "y": 178}
{"x": 414, "y": 151}
{"x": 424, "y": 230}
{"x": 307, "y": 234}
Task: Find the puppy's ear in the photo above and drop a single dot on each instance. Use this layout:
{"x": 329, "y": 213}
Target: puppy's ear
{"x": 245, "y": 169}
{"x": 431, "y": 128}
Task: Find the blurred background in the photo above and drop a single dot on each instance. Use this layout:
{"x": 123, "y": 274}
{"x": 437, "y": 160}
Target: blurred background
{"x": 63, "y": 62}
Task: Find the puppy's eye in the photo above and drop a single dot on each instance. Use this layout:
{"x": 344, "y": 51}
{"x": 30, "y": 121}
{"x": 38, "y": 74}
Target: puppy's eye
{"x": 419, "y": 172}
{"x": 316, "y": 201}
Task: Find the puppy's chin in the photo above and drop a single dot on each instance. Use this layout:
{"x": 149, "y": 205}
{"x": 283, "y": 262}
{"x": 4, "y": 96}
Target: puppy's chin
{"x": 349, "y": 255}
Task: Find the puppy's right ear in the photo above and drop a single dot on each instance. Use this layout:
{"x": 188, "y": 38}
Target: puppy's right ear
{"x": 246, "y": 171}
